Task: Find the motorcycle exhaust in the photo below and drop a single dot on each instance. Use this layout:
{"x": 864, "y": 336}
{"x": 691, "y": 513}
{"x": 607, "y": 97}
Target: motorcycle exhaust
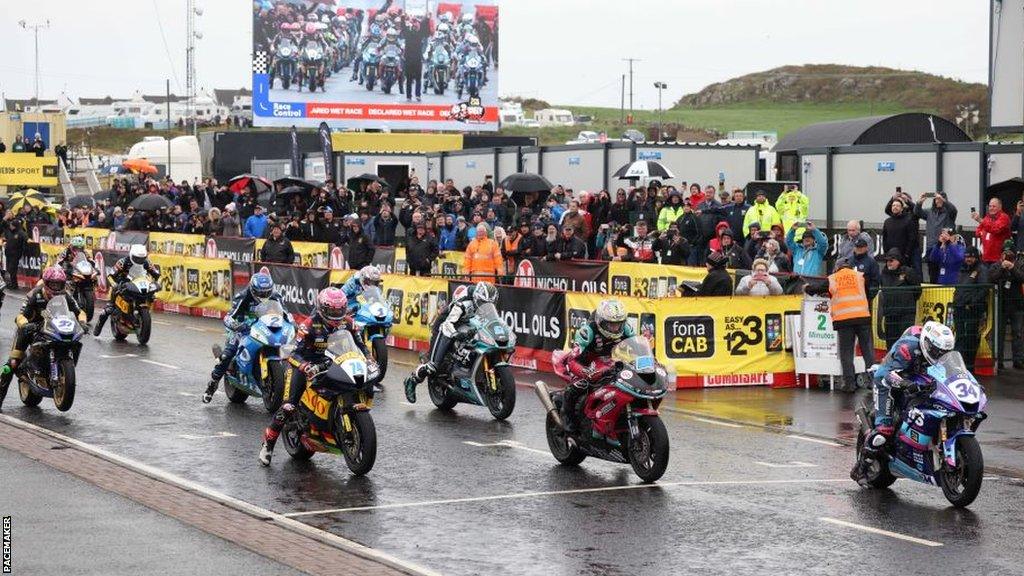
{"x": 545, "y": 398}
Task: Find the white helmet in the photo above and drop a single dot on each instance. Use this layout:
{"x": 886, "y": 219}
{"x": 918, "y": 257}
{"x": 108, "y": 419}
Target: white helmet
{"x": 467, "y": 18}
{"x": 369, "y": 276}
{"x": 392, "y": 33}
{"x": 610, "y": 318}
{"x": 472, "y": 39}
{"x": 484, "y": 293}
{"x": 138, "y": 253}
{"x": 936, "y": 340}
{"x": 446, "y": 17}
{"x": 444, "y": 28}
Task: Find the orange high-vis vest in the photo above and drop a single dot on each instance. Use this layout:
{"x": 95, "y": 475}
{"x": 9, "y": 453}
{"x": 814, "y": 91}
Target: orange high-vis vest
{"x": 849, "y": 299}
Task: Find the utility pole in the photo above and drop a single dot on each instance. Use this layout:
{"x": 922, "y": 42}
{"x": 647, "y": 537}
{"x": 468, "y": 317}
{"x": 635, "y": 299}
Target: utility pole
{"x": 190, "y": 61}
{"x": 168, "y": 118}
{"x": 631, "y": 60}
{"x": 622, "y": 100}
{"x": 661, "y": 111}
{"x": 35, "y": 28}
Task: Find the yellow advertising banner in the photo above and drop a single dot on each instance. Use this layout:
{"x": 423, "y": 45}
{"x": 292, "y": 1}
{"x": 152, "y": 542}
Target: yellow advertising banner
{"x": 49, "y": 253}
{"x": 708, "y": 342}
{"x": 339, "y": 277}
{"x": 651, "y": 280}
{"x": 21, "y": 169}
{"x": 414, "y": 301}
{"x": 174, "y": 243}
{"x": 194, "y": 282}
{"x": 449, "y": 263}
{"x": 311, "y": 254}
{"x": 94, "y": 237}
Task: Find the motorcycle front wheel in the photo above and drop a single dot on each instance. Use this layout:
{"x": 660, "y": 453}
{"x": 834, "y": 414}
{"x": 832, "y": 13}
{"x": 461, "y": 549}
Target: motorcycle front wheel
{"x": 960, "y": 485}
{"x": 360, "y": 445}
{"x": 648, "y": 454}
{"x": 64, "y": 390}
{"x": 235, "y": 395}
{"x": 380, "y": 355}
{"x": 145, "y": 326}
{"x": 502, "y": 400}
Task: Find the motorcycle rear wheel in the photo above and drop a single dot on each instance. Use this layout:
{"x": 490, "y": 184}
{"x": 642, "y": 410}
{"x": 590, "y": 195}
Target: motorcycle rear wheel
{"x": 380, "y": 355}
{"x": 877, "y": 474}
{"x": 439, "y": 396}
{"x": 64, "y": 392}
{"x": 649, "y": 454}
{"x": 235, "y": 395}
{"x": 290, "y": 436}
{"x": 115, "y": 331}
{"x": 961, "y": 485}
{"x": 360, "y": 446}
{"x": 28, "y": 396}
{"x": 145, "y": 326}
{"x": 558, "y": 441}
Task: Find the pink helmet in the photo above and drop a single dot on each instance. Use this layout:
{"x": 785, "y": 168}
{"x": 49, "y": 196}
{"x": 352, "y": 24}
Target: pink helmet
{"x": 310, "y": 28}
{"x": 54, "y": 281}
{"x": 332, "y": 305}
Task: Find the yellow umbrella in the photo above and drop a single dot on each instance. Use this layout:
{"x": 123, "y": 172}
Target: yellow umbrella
{"x": 29, "y": 196}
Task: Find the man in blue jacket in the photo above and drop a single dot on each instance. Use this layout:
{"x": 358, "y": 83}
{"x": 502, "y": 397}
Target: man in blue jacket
{"x": 946, "y": 258}
{"x": 809, "y": 254}
{"x": 256, "y": 224}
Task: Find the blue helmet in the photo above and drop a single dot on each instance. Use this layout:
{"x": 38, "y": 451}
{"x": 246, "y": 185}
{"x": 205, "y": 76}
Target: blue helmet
{"x": 261, "y": 286}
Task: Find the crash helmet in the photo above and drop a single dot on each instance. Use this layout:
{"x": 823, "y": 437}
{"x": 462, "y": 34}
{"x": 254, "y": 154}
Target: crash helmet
{"x": 467, "y": 19}
{"x": 380, "y": 18}
{"x": 392, "y": 34}
{"x": 331, "y": 306}
{"x": 261, "y": 286}
{"x": 936, "y": 340}
{"x": 472, "y": 40}
{"x": 610, "y": 318}
{"x": 484, "y": 293}
{"x": 54, "y": 281}
{"x": 369, "y": 276}
{"x": 325, "y": 18}
{"x": 446, "y": 17}
{"x": 78, "y": 242}
{"x": 311, "y": 28}
{"x": 137, "y": 254}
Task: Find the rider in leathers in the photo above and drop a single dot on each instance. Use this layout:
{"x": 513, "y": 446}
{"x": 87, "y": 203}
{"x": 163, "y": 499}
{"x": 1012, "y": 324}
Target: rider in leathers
{"x": 308, "y": 360}
{"x": 137, "y": 256}
{"x": 372, "y": 38}
{"x": 67, "y": 256}
{"x": 453, "y": 324}
{"x": 259, "y": 290}
{"x": 594, "y": 340}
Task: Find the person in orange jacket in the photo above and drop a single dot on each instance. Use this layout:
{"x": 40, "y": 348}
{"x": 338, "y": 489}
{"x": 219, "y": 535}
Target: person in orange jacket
{"x": 483, "y": 257}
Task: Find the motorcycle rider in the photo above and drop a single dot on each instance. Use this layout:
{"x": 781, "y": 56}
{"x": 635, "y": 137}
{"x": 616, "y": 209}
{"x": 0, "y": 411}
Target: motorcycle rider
{"x": 372, "y": 38}
{"x": 391, "y": 39}
{"x": 308, "y": 360}
{"x": 470, "y": 45}
{"x": 137, "y": 256}
{"x": 439, "y": 41}
{"x": 53, "y": 284}
{"x": 918, "y": 348}
{"x": 67, "y": 256}
{"x": 259, "y": 290}
{"x": 593, "y": 340}
{"x": 353, "y": 287}
{"x": 454, "y": 324}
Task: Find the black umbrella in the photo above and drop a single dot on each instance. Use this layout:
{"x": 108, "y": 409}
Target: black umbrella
{"x": 524, "y": 182}
{"x": 150, "y": 203}
{"x": 81, "y": 202}
{"x": 289, "y": 181}
{"x": 643, "y": 169}
{"x": 104, "y": 195}
{"x": 290, "y": 190}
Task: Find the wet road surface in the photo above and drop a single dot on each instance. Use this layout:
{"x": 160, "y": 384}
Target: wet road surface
{"x": 462, "y": 494}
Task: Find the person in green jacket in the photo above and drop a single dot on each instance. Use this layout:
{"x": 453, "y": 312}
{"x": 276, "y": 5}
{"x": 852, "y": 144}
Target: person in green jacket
{"x": 793, "y": 206}
{"x": 762, "y": 212}
{"x": 672, "y": 212}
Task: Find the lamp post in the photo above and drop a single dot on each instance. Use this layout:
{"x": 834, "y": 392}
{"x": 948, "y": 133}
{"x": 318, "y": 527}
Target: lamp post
{"x": 35, "y": 28}
{"x": 661, "y": 115}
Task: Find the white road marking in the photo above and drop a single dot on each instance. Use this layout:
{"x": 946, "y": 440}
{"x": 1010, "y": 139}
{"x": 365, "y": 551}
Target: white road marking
{"x": 189, "y": 394}
{"x": 896, "y": 535}
{"x": 235, "y": 503}
{"x": 815, "y": 440}
{"x": 404, "y": 403}
{"x": 716, "y": 422}
{"x": 163, "y": 322}
{"x": 507, "y": 444}
{"x": 118, "y": 355}
{"x": 565, "y": 492}
{"x": 790, "y": 464}
{"x": 207, "y": 437}
{"x": 196, "y": 329}
{"x": 155, "y": 363}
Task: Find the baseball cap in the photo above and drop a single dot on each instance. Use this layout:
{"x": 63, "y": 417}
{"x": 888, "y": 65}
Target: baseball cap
{"x": 860, "y": 243}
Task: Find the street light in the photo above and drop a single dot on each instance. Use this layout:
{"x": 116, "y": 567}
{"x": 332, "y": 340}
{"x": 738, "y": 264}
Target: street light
{"x": 660, "y": 86}
{"x": 35, "y": 28}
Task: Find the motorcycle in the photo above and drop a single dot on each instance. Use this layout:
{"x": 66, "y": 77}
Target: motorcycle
{"x": 257, "y": 369}
{"x": 370, "y": 61}
{"x": 618, "y": 419}
{"x": 131, "y": 306}
{"x": 938, "y": 414}
{"x": 472, "y": 75}
{"x": 373, "y": 318}
{"x": 476, "y": 369}
{"x": 284, "y": 63}
{"x": 440, "y": 70}
{"x": 83, "y": 284}
{"x": 48, "y": 369}
{"x": 390, "y": 62}
{"x": 334, "y": 412}
{"x": 312, "y": 68}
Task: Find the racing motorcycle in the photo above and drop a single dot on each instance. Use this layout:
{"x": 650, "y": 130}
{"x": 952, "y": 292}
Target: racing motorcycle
{"x": 370, "y": 61}
{"x": 373, "y": 318}
{"x": 257, "y": 369}
{"x": 284, "y": 62}
{"x": 334, "y": 412}
{"x": 312, "y": 69}
{"x": 618, "y": 419}
{"x": 390, "y": 62}
{"x": 937, "y": 415}
{"x": 440, "y": 69}
{"x": 476, "y": 369}
{"x": 472, "y": 75}
{"x": 83, "y": 284}
{"x": 49, "y": 366}
{"x": 131, "y": 306}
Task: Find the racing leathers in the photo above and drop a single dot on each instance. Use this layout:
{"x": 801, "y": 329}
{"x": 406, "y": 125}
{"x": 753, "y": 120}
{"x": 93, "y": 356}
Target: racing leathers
{"x": 27, "y": 322}
{"x": 67, "y": 257}
{"x": 450, "y": 324}
{"x": 588, "y": 345}
{"x": 115, "y": 279}
{"x": 357, "y": 62}
{"x": 237, "y": 322}
{"x": 352, "y": 288}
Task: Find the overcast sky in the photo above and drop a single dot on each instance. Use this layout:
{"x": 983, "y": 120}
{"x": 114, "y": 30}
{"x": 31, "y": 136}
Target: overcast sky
{"x": 565, "y": 51}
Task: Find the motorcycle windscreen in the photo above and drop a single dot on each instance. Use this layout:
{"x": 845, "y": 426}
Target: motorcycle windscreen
{"x": 348, "y": 368}
{"x": 61, "y": 322}
{"x": 82, "y": 265}
{"x": 269, "y": 308}
{"x": 639, "y": 365}
{"x": 956, "y": 386}
{"x": 494, "y": 330}
{"x": 374, "y": 303}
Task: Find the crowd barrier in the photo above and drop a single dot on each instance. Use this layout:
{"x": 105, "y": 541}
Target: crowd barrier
{"x": 707, "y": 342}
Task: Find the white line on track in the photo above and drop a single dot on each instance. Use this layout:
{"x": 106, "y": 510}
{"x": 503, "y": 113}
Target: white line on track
{"x": 118, "y": 355}
{"x": 716, "y": 422}
{"x": 790, "y": 464}
{"x": 881, "y": 532}
{"x": 163, "y": 322}
{"x": 815, "y": 440}
{"x": 207, "y": 436}
{"x": 197, "y": 329}
{"x": 565, "y": 492}
{"x": 155, "y": 363}
{"x": 507, "y": 444}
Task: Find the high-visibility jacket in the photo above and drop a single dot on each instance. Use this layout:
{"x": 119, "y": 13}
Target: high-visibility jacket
{"x": 482, "y": 257}
{"x": 849, "y": 298}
